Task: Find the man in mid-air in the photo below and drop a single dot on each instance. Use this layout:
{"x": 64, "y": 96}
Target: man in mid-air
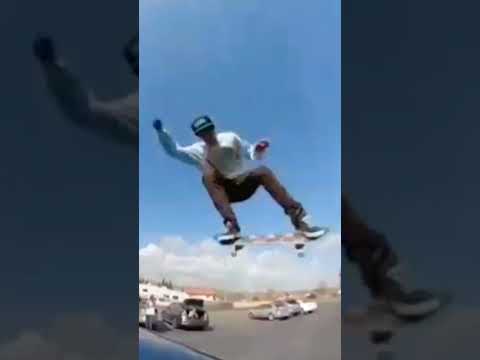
{"x": 220, "y": 156}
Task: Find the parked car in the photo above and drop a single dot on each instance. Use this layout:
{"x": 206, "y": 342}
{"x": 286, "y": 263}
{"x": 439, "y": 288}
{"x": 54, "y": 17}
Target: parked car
{"x": 294, "y": 307}
{"x": 308, "y": 307}
{"x": 275, "y": 310}
{"x": 187, "y": 314}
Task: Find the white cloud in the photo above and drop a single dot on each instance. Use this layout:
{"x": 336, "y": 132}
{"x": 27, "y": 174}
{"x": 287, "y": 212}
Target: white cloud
{"x": 206, "y": 263}
{"x": 71, "y": 337}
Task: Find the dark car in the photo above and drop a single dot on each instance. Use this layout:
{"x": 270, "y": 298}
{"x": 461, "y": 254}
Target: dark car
{"x": 189, "y": 314}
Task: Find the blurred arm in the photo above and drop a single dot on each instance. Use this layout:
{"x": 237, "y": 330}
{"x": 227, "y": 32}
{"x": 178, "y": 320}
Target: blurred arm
{"x": 116, "y": 120}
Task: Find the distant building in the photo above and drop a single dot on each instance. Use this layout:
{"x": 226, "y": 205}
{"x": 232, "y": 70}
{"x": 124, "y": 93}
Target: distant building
{"x": 202, "y": 294}
{"x": 149, "y": 291}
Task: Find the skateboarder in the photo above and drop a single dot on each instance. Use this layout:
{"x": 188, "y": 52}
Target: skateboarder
{"x": 220, "y": 157}
{"x": 116, "y": 120}
{"x": 379, "y": 267}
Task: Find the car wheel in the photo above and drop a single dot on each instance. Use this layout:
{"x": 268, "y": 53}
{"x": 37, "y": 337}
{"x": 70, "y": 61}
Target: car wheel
{"x": 271, "y": 317}
{"x": 250, "y": 315}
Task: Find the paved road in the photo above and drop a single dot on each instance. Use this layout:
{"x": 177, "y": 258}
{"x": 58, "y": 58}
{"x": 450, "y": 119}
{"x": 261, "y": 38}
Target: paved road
{"x": 235, "y": 337}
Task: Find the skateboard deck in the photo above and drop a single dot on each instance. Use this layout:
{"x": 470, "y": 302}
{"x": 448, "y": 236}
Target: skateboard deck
{"x": 297, "y": 239}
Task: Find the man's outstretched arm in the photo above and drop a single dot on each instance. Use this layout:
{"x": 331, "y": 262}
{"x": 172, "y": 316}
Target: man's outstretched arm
{"x": 117, "y": 120}
{"x": 190, "y": 155}
{"x": 256, "y": 151}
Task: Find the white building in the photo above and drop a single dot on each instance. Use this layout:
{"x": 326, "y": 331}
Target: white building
{"x": 160, "y": 294}
{"x": 202, "y": 294}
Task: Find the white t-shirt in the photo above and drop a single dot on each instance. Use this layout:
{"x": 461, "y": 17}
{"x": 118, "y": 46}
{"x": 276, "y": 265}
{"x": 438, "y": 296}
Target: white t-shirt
{"x": 228, "y": 157}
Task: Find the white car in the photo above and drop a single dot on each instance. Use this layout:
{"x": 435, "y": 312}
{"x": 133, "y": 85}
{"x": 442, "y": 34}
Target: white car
{"x": 294, "y": 307}
{"x": 276, "y": 310}
{"x": 308, "y": 307}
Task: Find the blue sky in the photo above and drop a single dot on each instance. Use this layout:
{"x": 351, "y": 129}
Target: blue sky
{"x": 259, "y": 68}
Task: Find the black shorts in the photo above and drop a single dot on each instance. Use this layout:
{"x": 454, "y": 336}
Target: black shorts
{"x": 238, "y": 192}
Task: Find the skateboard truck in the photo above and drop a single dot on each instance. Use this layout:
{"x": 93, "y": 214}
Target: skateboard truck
{"x": 299, "y": 247}
{"x": 236, "y": 249}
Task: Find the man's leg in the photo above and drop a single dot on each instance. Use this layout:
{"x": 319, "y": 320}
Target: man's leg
{"x": 215, "y": 188}
{"x": 265, "y": 177}
{"x": 277, "y": 191}
{"x": 378, "y": 263}
{"x": 365, "y": 247}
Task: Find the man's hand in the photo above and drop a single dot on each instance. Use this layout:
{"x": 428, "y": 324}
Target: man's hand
{"x": 262, "y": 146}
{"x": 44, "y": 49}
{"x": 158, "y": 125}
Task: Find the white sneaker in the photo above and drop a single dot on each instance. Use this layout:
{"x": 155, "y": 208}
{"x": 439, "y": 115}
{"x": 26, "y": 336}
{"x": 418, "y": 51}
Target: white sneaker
{"x": 230, "y": 236}
{"x": 403, "y": 299}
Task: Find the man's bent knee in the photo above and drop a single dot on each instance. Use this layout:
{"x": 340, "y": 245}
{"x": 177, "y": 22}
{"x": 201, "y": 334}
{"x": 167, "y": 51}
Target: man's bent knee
{"x": 263, "y": 172}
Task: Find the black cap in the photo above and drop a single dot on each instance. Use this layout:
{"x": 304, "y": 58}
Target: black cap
{"x": 201, "y": 124}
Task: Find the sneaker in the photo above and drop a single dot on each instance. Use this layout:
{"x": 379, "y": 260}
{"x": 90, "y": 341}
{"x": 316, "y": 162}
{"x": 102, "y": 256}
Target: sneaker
{"x": 300, "y": 221}
{"x": 231, "y": 235}
{"x": 404, "y": 301}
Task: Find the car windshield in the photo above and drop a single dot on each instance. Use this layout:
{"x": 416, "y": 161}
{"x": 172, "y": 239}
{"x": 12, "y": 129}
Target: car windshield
{"x": 292, "y": 302}
{"x": 279, "y": 303}
{"x": 193, "y": 302}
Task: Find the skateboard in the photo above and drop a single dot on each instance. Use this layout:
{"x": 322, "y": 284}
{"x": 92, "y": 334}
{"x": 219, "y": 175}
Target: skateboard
{"x": 297, "y": 239}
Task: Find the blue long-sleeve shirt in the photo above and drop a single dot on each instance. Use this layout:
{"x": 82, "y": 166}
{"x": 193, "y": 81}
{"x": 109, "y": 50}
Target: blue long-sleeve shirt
{"x": 228, "y": 157}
